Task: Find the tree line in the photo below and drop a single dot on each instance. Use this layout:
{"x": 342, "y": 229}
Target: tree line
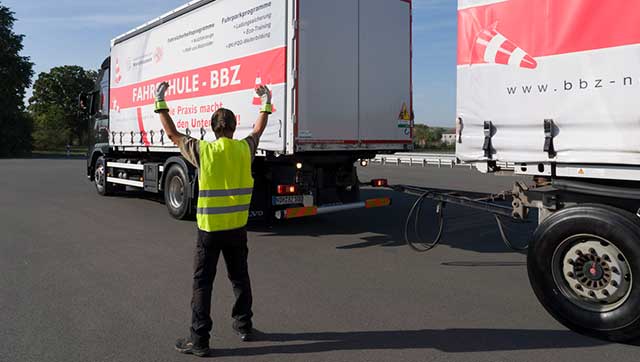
{"x": 50, "y": 119}
{"x": 425, "y": 137}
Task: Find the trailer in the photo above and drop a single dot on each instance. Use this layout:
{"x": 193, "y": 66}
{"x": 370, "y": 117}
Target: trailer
{"x": 550, "y": 86}
{"x": 341, "y": 88}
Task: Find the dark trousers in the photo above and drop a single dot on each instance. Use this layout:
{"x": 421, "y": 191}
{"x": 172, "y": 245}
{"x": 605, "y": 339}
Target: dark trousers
{"x": 233, "y": 245}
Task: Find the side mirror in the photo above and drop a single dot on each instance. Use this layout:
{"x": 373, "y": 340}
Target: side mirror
{"x": 83, "y": 102}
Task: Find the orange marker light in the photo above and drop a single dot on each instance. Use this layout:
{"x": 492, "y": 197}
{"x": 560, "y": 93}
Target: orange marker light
{"x": 379, "y": 182}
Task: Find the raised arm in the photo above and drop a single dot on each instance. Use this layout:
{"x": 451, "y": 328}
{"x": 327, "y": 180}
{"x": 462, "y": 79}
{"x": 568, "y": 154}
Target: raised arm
{"x": 163, "y": 111}
{"x": 261, "y": 123}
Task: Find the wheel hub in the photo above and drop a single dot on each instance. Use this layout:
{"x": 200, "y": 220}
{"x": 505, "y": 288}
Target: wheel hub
{"x": 592, "y": 272}
{"x": 99, "y": 175}
{"x": 176, "y": 192}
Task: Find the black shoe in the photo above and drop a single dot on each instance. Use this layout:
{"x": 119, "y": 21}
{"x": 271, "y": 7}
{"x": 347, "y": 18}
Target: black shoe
{"x": 246, "y": 335}
{"x": 186, "y": 346}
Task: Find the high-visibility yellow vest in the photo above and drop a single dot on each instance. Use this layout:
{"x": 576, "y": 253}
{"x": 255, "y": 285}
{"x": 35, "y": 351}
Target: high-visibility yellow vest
{"x": 225, "y": 184}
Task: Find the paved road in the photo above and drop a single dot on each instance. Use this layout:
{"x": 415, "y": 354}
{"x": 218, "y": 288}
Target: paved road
{"x": 85, "y": 278}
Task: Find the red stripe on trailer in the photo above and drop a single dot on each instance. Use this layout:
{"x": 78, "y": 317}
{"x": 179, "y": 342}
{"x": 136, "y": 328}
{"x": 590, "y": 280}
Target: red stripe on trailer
{"x": 573, "y": 26}
{"x": 141, "y": 128}
{"x": 231, "y": 76}
{"x": 296, "y": 121}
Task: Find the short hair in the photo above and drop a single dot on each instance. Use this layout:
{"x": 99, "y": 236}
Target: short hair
{"x": 223, "y": 121}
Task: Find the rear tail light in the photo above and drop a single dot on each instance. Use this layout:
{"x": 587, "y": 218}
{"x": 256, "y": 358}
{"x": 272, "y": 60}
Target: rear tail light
{"x": 287, "y": 189}
{"x": 382, "y": 182}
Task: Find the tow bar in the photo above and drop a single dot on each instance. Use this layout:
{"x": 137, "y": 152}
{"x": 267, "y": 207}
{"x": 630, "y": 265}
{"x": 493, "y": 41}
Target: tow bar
{"x": 477, "y": 201}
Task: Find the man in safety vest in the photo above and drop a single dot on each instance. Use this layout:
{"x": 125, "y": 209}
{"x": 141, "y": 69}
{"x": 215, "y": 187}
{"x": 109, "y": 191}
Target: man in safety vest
{"x": 225, "y": 187}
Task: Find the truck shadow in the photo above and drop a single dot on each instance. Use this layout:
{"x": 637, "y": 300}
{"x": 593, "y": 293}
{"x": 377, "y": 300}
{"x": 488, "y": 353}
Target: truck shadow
{"x": 461, "y": 340}
{"x": 464, "y": 228}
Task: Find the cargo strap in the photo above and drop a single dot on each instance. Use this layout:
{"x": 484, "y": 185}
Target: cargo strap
{"x": 548, "y": 138}
{"x": 488, "y": 133}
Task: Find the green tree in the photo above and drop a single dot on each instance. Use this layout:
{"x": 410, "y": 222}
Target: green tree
{"x": 54, "y": 105}
{"x": 15, "y": 74}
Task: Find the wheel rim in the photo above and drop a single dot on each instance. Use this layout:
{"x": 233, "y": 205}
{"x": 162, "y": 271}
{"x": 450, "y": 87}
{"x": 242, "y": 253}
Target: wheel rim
{"x": 99, "y": 176}
{"x": 592, "y": 273}
{"x": 176, "y": 192}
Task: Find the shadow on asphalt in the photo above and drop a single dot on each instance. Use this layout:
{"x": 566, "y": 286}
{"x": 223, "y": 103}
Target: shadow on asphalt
{"x": 465, "y": 228}
{"x": 447, "y": 340}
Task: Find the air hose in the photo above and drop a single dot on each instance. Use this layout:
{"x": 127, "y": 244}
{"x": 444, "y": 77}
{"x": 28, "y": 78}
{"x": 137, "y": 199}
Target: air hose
{"x": 422, "y": 245}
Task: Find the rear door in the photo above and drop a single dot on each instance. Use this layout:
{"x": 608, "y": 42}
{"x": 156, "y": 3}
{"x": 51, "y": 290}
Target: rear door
{"x": 354, "y": 69}
{"x": 328, "y": 71}
{"x": 385, "y": 72}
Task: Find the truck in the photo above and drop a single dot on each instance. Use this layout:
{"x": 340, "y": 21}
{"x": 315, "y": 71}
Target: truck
{"x": 341, "y": 86}
{"x": 550, "y": 87}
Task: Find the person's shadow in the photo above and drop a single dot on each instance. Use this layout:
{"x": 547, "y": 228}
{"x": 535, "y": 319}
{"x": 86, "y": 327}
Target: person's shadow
{"x": 446, "y": 340}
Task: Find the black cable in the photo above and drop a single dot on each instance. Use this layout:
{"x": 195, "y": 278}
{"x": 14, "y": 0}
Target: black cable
{"x": 505, "y": 239}
{"x": 422, "y": 246}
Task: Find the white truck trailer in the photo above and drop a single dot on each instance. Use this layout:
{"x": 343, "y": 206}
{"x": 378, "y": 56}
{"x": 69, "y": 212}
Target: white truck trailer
{"x": 552, "y": 85}
{"x": 339, "y": 70}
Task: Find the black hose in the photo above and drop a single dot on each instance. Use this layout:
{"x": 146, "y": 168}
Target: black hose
{"x": 505, "y": 239}
{"x": 422, "y": 246}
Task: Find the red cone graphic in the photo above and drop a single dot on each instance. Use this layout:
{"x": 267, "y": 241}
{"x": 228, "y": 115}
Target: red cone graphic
{"x": 118, "y": 75}
{"x": 500, "y": 50}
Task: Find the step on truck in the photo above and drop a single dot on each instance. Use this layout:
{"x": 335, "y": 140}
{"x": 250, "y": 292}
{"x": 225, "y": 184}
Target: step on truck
{"x": 339, "y": 71}
{"x": 551, "y": 86}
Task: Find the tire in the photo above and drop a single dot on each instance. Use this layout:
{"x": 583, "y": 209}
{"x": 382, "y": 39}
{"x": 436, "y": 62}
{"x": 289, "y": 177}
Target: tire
{"x": 100, "y": 177}
{"x": 572, "y": 255}
{"x": 176, "y": 193}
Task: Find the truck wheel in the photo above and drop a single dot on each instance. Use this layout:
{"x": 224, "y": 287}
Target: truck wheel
{"x": 584, "y": 267}
{"x": 100, "y": 177}
{"x": 176, "y": 195}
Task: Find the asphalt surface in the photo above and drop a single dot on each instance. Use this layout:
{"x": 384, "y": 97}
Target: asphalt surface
{"x": 87, "y": 278}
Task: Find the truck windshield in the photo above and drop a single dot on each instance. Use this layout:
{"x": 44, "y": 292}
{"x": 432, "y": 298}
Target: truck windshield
{"x": 104, "y": 93}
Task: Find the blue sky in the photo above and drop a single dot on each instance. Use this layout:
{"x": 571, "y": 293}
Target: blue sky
{"x": 75, "y": 32}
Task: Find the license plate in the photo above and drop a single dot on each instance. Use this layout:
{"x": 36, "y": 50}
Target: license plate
{"x": 287, "y": 200}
